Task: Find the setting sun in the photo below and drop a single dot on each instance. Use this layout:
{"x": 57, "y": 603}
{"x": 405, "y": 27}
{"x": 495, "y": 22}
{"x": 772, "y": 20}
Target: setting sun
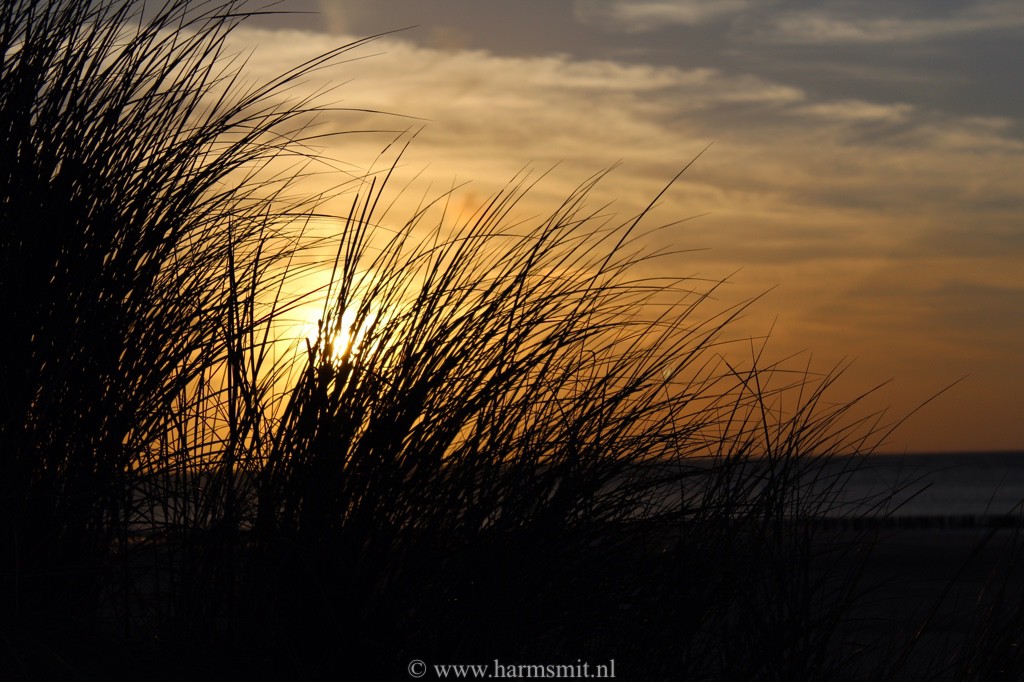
{"x": 347, "y": 338}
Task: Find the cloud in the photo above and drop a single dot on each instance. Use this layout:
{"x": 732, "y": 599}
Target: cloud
{"x": 648, "y": 15}
{"x": 858, "y": 111}
{"x": 853, "y": 24}
{"x": 781, "y": 156}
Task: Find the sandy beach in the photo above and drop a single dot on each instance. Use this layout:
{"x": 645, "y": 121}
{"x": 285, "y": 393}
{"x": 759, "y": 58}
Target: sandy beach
{"x": 920, "y": 594}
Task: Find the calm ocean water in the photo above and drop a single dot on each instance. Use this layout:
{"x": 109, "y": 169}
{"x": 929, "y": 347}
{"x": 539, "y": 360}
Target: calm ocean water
{"x": 969, "y": 484}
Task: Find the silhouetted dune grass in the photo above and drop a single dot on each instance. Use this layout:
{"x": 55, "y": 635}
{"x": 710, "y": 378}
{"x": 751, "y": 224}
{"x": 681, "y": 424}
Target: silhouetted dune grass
{"x": 505, "y": 441}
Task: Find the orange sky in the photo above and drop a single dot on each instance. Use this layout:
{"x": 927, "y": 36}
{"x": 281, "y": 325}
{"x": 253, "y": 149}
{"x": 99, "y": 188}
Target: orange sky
{"x": 863, "y": 165}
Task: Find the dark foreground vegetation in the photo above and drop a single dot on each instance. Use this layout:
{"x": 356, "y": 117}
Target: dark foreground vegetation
{"x": 505, "y": 442}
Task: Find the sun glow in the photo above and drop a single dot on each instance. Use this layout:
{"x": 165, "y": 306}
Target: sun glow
{"x": 347, "y": 339}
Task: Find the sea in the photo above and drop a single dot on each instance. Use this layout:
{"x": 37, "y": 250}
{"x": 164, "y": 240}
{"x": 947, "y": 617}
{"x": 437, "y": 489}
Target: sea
{"x": 958, "y": 487}
{"x": 926, "y": 490}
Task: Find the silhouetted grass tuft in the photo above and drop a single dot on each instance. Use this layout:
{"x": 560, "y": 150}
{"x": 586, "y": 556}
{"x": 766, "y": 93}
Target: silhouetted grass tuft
{"x": 506, "y": 440}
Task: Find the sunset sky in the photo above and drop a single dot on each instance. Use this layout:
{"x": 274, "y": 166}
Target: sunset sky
{"x": 866, "y": 159}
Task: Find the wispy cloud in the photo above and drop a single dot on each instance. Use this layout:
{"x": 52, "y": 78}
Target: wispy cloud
{"x": 846, "y": 23}
{"x": 822, "y": 23}
{"x": 646, "y": 15}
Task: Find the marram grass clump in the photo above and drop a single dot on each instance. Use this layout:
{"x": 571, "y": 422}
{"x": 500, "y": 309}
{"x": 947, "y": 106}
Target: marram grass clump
{"x": 505, "y": 439}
